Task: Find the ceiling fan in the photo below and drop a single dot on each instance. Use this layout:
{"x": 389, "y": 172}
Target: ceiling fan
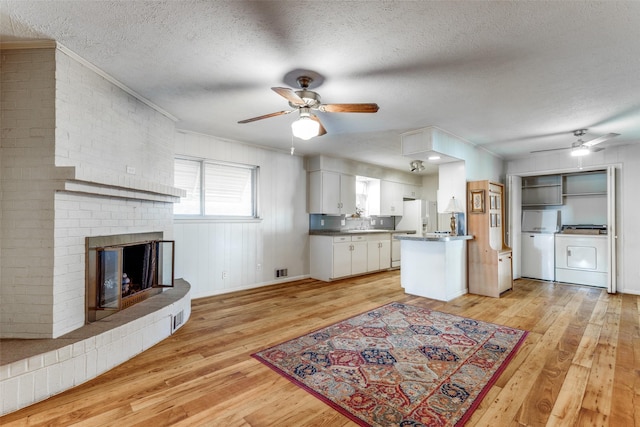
{"x": 305, "y": 101}
{"x": 580, "y": 147}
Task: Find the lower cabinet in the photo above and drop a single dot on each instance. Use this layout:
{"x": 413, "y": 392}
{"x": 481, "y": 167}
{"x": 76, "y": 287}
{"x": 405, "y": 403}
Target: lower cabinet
{"x": 505, "y": 275}
{"x": 349, "y": 258}
{"x": 333, "y": 257}
{"x": 378, "y": 252}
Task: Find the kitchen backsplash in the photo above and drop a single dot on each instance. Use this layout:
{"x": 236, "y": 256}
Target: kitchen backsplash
{"x": 319, "y": 222}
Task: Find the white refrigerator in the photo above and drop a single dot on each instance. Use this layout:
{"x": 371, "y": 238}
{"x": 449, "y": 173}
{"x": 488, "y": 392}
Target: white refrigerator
{"x": 418, "y": 215}
{"x": 538, "y": 243}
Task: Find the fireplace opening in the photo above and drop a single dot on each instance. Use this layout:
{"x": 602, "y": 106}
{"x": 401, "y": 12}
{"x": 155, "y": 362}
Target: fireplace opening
{"x": 123, "y": 270}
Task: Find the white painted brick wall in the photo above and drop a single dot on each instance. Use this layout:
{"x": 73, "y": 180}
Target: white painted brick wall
{"x": 57, "y": 113}
{"x": 26, "y": 231}
{"x": 25, "y": 382}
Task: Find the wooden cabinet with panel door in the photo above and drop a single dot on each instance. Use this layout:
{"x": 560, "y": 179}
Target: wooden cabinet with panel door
{"x": 490, "y": 262}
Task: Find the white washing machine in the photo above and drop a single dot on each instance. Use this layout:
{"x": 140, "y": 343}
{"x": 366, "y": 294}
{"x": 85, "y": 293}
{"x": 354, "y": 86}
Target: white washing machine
{"x": 582, "y": 259}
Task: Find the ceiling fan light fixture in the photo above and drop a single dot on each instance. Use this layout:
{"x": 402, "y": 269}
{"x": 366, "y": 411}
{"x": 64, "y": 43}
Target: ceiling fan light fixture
{"x": 305, "y": 127}
{"x": 580, "y": 151}
{"x": 416, "y": 166}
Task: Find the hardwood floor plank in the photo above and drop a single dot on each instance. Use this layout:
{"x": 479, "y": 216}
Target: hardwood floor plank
{"x": 578, "y": 366}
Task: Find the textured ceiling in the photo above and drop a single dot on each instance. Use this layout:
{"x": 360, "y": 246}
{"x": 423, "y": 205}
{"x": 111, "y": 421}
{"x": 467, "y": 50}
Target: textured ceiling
{"x": 509, "y": 76}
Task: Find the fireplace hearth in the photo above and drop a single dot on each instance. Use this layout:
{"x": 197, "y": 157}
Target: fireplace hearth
{"x": 123, "y": 270}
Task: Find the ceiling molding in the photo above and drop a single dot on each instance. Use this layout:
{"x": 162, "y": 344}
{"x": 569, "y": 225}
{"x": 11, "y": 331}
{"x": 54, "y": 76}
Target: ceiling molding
{"x": 114, "y": 81}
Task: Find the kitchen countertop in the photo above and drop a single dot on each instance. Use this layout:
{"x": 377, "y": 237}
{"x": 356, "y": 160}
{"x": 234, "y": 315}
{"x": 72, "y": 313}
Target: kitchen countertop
{"x": 433, "y": 237}
{"x": 355, "y": 232}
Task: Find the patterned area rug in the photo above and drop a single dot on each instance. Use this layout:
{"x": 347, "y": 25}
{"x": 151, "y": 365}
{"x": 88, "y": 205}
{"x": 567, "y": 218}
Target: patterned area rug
{"x": 399, "y": 365}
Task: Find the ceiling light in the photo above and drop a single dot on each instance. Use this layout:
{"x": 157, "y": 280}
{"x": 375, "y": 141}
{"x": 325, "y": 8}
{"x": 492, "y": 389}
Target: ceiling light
{"x": 416, "y": 166}
{"x": 434, "y": 157}
{"x": 580, "y": 150}
{"x": 305, "y": 127}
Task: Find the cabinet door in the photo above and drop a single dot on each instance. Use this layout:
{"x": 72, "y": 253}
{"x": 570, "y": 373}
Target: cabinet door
{"x": 341, "y": 259}
{"x": 391, "y": 197}
{"x": 358, "y": 257}
{"x": 505, "y": 276}
{"x": 331, "y": 192}
{"x": 347, "y": 194}
{"x": 373, "y": 256}
{"x": 385, "y": 254}
{"x": 412, "y": 191}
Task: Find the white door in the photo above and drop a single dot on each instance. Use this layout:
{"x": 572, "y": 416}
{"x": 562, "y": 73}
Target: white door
{"x": 341, "y": 259}
{"x": 373, "y": 256}
{"x": 331, "y": 192}
{"x": 347, "y": 194}
{"x": 358, "y": 257}
{"x": 514, "y": 200}
{"x": 612, "y": 232}
{"x": 385, "y": 254}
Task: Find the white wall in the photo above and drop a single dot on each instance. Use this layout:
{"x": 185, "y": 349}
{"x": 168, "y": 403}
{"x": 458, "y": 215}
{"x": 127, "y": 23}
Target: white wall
{"x": 248, "y": 251}
{"x": 628, "y": 202}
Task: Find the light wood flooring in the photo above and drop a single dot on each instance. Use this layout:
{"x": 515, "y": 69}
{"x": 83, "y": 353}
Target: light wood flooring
{"x": 580, "y": 364}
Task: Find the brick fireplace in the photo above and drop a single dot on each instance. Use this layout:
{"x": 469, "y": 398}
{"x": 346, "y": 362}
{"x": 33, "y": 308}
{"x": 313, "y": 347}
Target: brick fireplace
{"x": 81, "y": 156}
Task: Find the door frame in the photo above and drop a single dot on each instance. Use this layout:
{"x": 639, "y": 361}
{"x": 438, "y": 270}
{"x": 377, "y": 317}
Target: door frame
{"x": 514, "y": 200}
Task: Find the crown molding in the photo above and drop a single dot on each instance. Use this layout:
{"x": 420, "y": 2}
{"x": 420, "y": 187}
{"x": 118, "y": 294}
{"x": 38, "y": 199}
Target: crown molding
{"x": 52, "y": 44}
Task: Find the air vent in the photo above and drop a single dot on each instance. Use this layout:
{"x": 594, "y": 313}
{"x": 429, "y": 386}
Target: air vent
{"x": 176, "y": 320}
{"x": 282, "y": 272}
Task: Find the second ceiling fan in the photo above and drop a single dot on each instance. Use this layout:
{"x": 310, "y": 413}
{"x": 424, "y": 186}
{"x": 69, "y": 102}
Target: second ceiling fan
{"x": 305, "y": 101}
{"x": 580, "y": 147}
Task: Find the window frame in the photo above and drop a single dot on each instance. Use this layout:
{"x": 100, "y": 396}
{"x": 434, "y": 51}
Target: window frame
{"x": 255, "y": 180}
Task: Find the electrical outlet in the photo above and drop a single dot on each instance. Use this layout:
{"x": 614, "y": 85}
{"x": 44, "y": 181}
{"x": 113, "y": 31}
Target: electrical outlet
{"x": 343, "y": 222}
{"x": 373, "y": 222}
{"x": 131, "y": 170}
{"x": 225, "y": 275}
{"x": 259, "y": 267}
{"x": 381, "y": 221}
{"x": 322, "y": 222}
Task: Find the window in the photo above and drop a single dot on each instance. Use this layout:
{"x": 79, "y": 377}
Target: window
{"x": 216, "y": 189}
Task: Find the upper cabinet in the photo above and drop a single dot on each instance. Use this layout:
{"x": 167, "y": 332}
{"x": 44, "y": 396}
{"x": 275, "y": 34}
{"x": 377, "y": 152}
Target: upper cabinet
{"x": 412, "y": 191}
{"x": 585, "y": 184}
{"x": 391, "y": 198}
{"x": 331, "y": 193}
{"x": 552, "y": 190}
{"x": 543, "y": 190}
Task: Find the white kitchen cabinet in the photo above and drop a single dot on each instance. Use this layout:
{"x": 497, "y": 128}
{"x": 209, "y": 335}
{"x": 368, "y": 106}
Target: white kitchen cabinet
{"x": 331, "y": 193}
{"x": 412, "y": 191}
{"x": 333, "y": 257}
{"x": 378, "y": 252}
{"x": 391, "y": 198}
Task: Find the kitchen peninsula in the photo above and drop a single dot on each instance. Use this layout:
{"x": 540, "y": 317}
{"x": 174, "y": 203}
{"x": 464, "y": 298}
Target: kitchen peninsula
{"x": 434, "y": 265}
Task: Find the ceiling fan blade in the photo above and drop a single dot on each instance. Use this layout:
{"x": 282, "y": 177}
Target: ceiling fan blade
{"x": 289, "y": 94}
{"x": 266, "y": 116}
{"x": 322, "y": 130}
{"x": 550, "y": 149}
{"x": 600, "y": 139}
{"x": 348, "y": 108}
